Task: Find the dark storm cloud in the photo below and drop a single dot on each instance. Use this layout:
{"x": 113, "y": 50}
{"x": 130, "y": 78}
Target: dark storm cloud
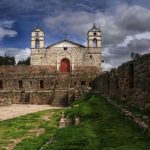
{"x": 39, "y": 8}
{"x": 135, "y": 18}
{"x": 125, "y": 20}
{"x": 116, "y": 55}
{"x": 125, "y": 24}
{"x": 140, "y": 46}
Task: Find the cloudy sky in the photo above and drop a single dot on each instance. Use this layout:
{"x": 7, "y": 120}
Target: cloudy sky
{"x": 125, "y": 25}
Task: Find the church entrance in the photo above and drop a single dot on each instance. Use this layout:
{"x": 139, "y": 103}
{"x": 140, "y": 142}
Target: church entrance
{"x": 65, "y": 65}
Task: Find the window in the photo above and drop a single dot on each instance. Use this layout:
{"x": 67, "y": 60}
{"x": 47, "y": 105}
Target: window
{"x": 20, "y": 84}
{"x": 82, "y": 82}
{"x": 94, "y": 42}
{"x": 30, "y": 83}
{"x": 131, "y": 76}
{"x": 75, "y": 83}
{"x": 65, "y": 48}
{"x": 94, "y": 34}
{"x": 91, "y": 56}
{"x": 108, "y": 83}
{"x": 41, "y": 84}
{"x": 37, "y": 43}
{"x": 1, "y": 84}
{"x": 117, "y": 82}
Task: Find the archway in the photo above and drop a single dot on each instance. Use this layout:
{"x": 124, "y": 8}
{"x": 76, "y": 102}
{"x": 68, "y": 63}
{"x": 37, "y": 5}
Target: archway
{"x": 65, "y": 65}
{"x": 94, "y": 42}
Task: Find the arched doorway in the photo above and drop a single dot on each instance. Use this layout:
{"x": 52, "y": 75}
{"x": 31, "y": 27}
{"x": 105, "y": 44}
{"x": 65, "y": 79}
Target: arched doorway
{"x": 65, "y": 65}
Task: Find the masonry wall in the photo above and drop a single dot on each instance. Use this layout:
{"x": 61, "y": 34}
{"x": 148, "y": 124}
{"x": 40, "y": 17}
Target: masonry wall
{"x": 130, "y": 82}
{"x": 41, "y": 85}
{"x": 78, "y": 57}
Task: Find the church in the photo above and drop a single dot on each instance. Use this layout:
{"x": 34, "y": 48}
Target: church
{"x": 65, "y": 55}
{"x": 58, "y": 73}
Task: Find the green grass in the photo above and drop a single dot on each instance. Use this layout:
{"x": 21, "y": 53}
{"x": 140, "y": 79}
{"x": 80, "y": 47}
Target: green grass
{"x": 23, "y": 128}
{"x": 101, "y": 128}
{"x": 133, "y": 108}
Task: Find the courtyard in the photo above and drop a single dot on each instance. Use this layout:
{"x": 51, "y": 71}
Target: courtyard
{"x": 16, "y": 110}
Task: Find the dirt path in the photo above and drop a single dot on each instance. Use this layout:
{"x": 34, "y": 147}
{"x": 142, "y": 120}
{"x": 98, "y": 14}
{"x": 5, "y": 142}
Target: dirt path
{"x": 16, "y": 110}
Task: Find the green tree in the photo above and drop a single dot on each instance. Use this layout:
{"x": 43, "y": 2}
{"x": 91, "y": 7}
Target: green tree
{"x": 24, "y": 62}
{"x": 7, "y": 60}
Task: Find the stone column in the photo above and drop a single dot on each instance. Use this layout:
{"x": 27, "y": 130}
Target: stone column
{"x": 57, "y": 63}
{"x": 72, "y": 65}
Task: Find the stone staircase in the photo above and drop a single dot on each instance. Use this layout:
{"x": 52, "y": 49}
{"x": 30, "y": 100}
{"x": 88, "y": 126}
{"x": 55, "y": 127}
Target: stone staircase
{"x": 61, "y": 89}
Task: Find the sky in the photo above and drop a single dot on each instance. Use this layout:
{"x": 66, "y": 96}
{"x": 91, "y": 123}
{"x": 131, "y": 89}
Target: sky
{"x": 125, "y": 25}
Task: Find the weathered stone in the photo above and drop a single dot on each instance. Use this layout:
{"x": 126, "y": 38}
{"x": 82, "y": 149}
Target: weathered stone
{"x": 130, "y": 82}
{"x": 62, "y": 122}
{"x": 77, "y": 120}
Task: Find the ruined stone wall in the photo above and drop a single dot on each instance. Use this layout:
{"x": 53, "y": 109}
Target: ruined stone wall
{"x": 130, "y": 82}
{"x": 41, "y": 85}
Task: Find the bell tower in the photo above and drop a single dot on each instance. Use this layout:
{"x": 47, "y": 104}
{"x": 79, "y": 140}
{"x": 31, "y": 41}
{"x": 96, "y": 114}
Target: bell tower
{"x": 94, "y": 37}
{"x": 37, "y": 39}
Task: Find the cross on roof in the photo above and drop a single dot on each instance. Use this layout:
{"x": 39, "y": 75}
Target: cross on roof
{"x": 66, "y": 34}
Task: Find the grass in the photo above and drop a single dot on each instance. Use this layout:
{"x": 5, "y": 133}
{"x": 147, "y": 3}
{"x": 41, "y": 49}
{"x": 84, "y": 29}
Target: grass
{"x": 101, "y": 128}
{"x": 133, "y": 108}
{"x": 24, "y": 128}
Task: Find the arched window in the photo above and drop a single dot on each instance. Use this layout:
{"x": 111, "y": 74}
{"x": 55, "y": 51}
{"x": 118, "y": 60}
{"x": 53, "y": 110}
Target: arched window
{"x": 94, "y": 42}
{"x": 37, "y": 43}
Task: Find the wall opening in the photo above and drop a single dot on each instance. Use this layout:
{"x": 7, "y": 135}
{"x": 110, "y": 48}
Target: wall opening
{"x": 30, "y": 83}
{"x": 82, "y": 83}
{"x": 24, "y": 97}
{"x": 108, "y": 83}
{"x": 94, "y": 34}
{"x": 1, "y": 85}
{"x": 131, "y": 76}
{"x": 65, "y": 65}
{"x": 41, "y": 84}
{"x": 27, "y": 97}
{"x": 20, "y": 84}
{"x": 117, "y": 82}
{"x": 94, "y": 42}
{"x": 37, "y": 43}
{"x": 65, "y": 48}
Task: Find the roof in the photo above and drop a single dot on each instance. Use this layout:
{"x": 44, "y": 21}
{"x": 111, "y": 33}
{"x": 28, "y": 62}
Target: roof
{"x": 65, "y": 43}
{"x": 38, "y": 29}
{"x": 94, "y": 28}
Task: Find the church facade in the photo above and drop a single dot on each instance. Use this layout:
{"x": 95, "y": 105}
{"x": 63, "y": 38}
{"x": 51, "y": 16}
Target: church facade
{"x": 58, "y": 73}
{"x": 65, "y": 55}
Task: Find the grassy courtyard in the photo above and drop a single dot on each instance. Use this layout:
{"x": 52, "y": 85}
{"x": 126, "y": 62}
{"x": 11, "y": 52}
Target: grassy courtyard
{"x": 30, "y": 131}
{"x": 101, "y": 128}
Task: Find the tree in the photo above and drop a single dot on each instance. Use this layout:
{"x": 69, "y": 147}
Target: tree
{"x": 24, "y": 62}
{"x": 135, "y": 55}
{"x": 7, "y": 60}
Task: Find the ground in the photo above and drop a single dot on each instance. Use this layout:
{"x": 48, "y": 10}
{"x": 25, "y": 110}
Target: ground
{"x": 16, "y": 110}
{"x": 101, "y": 127}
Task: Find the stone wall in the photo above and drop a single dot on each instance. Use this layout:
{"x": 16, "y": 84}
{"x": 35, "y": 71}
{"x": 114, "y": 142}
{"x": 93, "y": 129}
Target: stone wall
{"x": 78, "y": 56}
{"x": 130, "y": 82}
{"x": 41, "y": 85}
